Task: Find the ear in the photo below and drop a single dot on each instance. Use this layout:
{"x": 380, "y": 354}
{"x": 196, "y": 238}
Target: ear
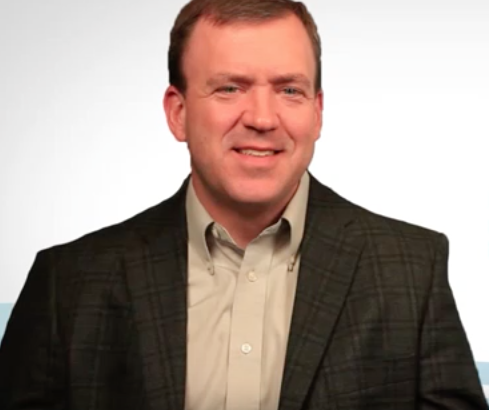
{"x": 319, "y": 113}
{"x": 174, "y": 106}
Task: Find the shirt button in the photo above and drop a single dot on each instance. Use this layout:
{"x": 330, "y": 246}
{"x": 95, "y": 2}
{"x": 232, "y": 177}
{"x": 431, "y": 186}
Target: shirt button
{"x": 210, "y": 268}
{"x": 290, "y": 266}
{"x": 252, "y": 276}
{"x": 246, "y": 348}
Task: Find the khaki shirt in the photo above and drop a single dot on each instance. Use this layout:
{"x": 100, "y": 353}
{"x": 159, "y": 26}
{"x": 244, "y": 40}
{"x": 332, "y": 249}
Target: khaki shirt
{"x": 239, "y": 308}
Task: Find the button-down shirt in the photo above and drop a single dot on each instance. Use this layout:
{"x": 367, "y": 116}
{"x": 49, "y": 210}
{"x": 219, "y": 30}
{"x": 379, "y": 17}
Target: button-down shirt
{"x": 239, "y": 308}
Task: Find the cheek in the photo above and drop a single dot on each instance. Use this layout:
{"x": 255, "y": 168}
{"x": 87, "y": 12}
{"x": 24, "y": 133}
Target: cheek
{"x": 206, "y": 128}
{"x": 301, "y": 126}
{"x": 211, "y": 119}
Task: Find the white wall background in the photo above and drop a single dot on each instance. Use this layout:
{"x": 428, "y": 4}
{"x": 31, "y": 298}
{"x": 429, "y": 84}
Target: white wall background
{"x": 84, "y": 143}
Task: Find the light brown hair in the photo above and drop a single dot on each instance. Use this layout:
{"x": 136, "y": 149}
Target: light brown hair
{"x": 221, "y": 12}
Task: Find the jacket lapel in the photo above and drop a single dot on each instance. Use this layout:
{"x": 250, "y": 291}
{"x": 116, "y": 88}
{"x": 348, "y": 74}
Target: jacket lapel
{"x": 156, "y": 269}
{"x": 329, "y": 255}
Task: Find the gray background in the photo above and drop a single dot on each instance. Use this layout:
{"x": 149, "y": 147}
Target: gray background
{"x": 84, "y": 143}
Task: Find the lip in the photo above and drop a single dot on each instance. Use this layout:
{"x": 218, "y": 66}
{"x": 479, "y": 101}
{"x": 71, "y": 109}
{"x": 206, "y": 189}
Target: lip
{"x": 250, "y": 160}
{"x": 256, "y": 148}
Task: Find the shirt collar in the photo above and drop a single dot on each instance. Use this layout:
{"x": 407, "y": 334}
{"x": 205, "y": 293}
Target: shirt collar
{"x": 295, "y": 215}
{"x": 199, "y": 220}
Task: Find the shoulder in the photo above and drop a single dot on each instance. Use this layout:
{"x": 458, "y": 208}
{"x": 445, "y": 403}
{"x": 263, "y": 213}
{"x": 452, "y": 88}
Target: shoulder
{"x": 382, "y": 234}
{"x": 108, "y": 243}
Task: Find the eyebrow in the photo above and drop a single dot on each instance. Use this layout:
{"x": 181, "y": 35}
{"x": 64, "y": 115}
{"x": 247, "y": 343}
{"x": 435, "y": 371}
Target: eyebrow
{"x": 243, "y": 79}
{"x": 292, "y": 78}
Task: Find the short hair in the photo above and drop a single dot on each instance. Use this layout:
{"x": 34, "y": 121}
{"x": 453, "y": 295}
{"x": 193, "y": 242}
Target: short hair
{"x": 221, "y": 12}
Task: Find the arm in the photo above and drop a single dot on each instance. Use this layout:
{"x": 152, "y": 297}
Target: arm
{"x": 32, "y": 366}
{"x": 448, "y": 376}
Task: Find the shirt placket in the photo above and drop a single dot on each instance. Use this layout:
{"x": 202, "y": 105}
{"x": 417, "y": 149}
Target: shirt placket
{"x": 247, "y": 326}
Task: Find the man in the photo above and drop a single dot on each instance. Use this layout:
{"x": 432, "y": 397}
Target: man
{"x": 254, "y": 286}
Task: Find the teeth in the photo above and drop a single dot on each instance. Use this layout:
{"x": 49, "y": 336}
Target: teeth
{"x": 256, "y": 153}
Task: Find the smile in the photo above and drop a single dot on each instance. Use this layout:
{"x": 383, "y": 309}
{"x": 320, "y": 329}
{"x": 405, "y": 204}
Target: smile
{"x": 257, "y": 153}
{"x": 261, "y": 158}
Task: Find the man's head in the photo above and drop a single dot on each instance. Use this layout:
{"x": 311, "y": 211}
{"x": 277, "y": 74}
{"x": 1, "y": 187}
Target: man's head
{"x": 245, "y": 94}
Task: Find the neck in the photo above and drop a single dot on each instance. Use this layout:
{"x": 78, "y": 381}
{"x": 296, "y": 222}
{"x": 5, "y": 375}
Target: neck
{"x": 243, "y": 221}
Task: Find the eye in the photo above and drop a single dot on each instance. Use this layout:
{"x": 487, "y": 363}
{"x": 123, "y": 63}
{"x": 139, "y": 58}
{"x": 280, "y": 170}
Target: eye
{"x": 228, "y": 89}
{"x": 291, "y": 91}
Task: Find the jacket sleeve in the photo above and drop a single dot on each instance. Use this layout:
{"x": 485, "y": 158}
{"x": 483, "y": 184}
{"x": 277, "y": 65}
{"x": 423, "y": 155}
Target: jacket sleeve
{"x": 32, "y": 365}
{"x": 448, "y": 375}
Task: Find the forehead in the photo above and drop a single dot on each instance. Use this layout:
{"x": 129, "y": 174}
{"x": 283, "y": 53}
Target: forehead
{"x": 270, "y": 47}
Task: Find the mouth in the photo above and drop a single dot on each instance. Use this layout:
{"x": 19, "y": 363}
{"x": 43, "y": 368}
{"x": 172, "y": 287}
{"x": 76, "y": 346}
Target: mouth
{"x": 261, "y": 153}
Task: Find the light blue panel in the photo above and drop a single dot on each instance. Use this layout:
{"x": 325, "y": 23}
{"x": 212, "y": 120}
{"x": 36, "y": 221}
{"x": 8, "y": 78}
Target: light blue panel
{"x": 484, "y": 372}
{"x": 5, "y": 309}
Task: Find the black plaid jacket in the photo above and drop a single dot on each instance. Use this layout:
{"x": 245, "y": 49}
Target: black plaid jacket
{"x": 101, "y": 322}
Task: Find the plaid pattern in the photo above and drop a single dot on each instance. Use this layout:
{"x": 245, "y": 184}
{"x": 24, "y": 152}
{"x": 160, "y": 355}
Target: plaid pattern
{"x": 101, "y": 322}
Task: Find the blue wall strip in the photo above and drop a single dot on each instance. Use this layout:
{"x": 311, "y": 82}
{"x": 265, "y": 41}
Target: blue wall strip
{"x": 5, "y": 309}
{"x": 484, "y": 372}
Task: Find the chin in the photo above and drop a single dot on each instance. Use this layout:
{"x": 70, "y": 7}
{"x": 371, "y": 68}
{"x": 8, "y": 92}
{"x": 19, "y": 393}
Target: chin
{"x": 254, "y": 199}
{"x": 254, "y": 192}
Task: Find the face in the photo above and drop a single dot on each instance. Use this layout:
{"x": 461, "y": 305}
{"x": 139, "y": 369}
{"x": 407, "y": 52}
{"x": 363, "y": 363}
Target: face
{"x": 250, "y": 114}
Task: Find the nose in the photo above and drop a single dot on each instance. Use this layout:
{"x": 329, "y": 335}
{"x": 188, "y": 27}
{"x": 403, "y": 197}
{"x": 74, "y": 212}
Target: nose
{"x": 261, "y": 113}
